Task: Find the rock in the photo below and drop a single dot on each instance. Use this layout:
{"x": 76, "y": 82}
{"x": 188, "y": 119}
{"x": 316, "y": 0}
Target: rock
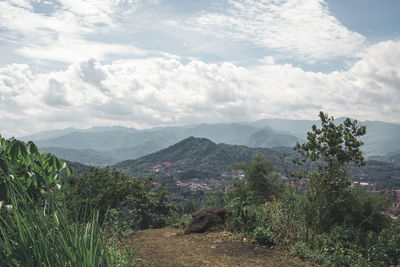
{"x": 203, "y": 220}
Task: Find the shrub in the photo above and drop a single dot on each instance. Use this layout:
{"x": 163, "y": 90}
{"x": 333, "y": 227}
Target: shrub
{"x": 137, "y": 202}
{"x": 263, "y": 236}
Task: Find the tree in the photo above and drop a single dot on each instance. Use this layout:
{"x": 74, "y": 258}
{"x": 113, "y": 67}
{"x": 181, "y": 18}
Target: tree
{"x": 260, "y": 183}
{"x": 330, "y": 149}
{"x": 258, "y": 186}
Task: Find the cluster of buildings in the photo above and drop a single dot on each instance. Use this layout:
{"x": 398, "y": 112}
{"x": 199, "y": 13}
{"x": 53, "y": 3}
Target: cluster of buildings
{"x": 194, "y": 186}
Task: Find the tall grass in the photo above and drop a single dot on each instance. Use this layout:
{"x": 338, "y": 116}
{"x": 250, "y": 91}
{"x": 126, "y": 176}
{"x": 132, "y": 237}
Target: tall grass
{"x": 32, "y": 234}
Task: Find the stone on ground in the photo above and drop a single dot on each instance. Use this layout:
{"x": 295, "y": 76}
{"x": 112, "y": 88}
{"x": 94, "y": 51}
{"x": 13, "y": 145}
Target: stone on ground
{"x": 205, "y": 219}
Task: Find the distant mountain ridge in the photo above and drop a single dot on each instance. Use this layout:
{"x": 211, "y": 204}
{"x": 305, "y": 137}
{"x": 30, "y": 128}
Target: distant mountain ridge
{"x": 108, "y": 145}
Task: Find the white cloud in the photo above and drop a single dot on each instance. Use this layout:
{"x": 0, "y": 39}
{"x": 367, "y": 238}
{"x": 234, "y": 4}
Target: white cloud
{"x": 267, "y": 60}
{"x": 74, "y": 49}
{"x": 63, "y": 34}
{"x": 162, "y": 91}
{"x": 300, "y": 29}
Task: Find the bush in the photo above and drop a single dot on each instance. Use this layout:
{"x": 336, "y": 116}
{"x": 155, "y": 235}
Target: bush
{"x": 349, "y": 246}
{"x": 139, "y": 203}
{"x": 263, "y": 236}
{"x": 363, "y": 209}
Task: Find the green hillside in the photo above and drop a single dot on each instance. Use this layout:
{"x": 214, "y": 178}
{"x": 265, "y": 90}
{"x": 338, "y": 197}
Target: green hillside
{"x": 197, "y": 153}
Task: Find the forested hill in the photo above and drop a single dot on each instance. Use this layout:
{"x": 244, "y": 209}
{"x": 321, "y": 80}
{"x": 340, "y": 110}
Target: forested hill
{"x": 200, "y": 154}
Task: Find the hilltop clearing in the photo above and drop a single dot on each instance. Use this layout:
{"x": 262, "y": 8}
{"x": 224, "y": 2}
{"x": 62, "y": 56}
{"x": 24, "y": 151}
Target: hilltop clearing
{"x": 170, "y": 247}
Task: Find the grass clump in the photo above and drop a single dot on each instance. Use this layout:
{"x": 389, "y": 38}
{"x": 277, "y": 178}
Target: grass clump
{"x": 40, "y": 235}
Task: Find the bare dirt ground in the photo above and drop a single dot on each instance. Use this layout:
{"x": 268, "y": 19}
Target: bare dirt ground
{"x": 170, "y": 247}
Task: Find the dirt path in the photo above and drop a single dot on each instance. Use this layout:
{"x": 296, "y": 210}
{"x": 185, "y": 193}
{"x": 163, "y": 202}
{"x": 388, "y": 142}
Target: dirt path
{"x": 170, "y": 247}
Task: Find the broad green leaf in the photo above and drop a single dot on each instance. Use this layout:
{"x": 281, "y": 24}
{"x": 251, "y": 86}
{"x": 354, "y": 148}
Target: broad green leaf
{"x": 68, "y": 170}
{"x": 32, "y": 148}
{"x": 28, "y": 182}
{"x": 22, "y": 149}
{"x": 3, "y": 166}
{"x": 14, "y": 151}
{"x": 50, "y": 180}
{"x": 57, "y": 164}
{"x": 55, "y": 179}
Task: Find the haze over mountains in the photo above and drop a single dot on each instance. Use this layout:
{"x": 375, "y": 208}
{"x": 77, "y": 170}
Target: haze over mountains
{"x": 109, "y": 145}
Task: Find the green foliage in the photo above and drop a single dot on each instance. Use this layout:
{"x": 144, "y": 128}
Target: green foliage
{"x": 184, "y": 219}
{"x": 215, "y": 198}
{"x": 33, "y": 235}
{"x": 122, "y": 257}
{"x": 363, "y": 210}
{"x": 264, "y": 236}
{"x": 245, "y": 201}
{"x": 138, "y": 202}
{"x": 333, "y": 146}
{"x": 330, "y": 149}
{"x": 35, "y": 172}
{"x": 346, "y": 225}
{"x": 34, "y": 229}
{"x": 260, "y": 184}
{"x": 185, "y": 200}
{"x": 345, "y": 246}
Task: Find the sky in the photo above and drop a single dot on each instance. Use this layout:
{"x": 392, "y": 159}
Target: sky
{"x": 148, "y": 63}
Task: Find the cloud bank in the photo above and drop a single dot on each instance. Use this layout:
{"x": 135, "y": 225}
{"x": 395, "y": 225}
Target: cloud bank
{"x": 300, "y": 29}
{"x": 66, "y": 31}
{"x": 70, "y": 30}
{"x": 168, "y": 91}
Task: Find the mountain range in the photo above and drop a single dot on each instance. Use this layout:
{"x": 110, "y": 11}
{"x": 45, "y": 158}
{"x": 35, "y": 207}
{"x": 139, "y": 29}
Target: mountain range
{"x": 109, "y": 145}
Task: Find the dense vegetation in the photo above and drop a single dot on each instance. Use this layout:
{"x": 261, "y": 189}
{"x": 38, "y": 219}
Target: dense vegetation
{"x": 328, "y": 222}
{"x": 137, "y": 203}
{"x": 52, "y": 218}
{"x": 34, "y": 230}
